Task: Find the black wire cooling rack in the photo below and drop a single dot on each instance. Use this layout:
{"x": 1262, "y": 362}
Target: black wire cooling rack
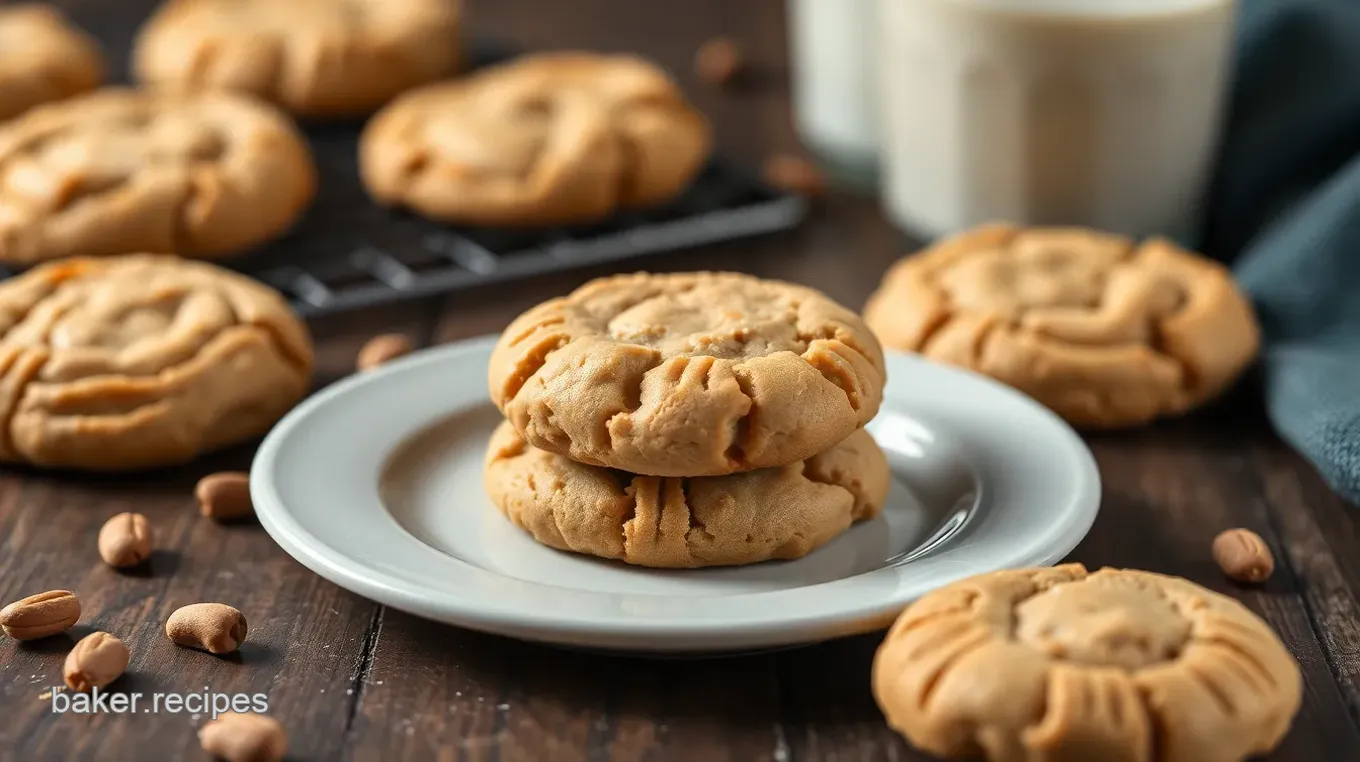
{"x": 348, "y": 253}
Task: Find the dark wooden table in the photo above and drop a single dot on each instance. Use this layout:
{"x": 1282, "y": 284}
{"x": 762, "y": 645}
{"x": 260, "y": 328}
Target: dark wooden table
{"x": 353, "y": 680}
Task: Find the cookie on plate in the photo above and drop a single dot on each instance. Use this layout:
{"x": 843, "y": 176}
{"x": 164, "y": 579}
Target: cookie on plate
{"x": 548, "y": 139}
{"x": 1105, "y": 332}
{"x": 43, "y": 58}
{"x": 119, "y": 171}
{"x": 313, "y": 57}
{"x": 1046, "y": 665}
{"x": 138, "y": 361}
{"x": 773, "y": 513}
{"x": 688, "y": 374}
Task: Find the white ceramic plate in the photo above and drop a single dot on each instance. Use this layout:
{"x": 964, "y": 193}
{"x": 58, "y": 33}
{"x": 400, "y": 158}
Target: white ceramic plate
{"x": 375, "y": 484}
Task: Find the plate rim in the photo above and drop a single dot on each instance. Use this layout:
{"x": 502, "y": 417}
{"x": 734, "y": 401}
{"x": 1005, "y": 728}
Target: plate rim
{"x": 336, "y": 566}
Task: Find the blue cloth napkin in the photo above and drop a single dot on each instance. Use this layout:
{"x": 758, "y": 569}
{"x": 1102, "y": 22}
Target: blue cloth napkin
{"x": 1284, "y": 209}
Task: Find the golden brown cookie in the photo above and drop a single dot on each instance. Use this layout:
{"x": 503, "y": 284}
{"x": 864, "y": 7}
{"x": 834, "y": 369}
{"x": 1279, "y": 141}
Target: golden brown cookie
{"x": 119, "y": 171}
{"x": 139, "y": 361}
{"x": 554, "y": 138}
{"x": 1051, "y": 665}
{"x": 772, "y": 513}
{"x": 313, "y": 57}
{"x": 1105, "y": 332}
{"x": 43, "y": 58}
{"x": 689, "y": 374}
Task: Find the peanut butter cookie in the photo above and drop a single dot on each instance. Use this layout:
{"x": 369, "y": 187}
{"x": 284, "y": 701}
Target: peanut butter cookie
{"x": 548, "y": 139}
{"x": 119, "y": 171}
{"x": 313, "y": 57}
{"x": 1104, "y": 332}
{"x": 772, "y": 513}
{"x": 139, "y": 361}
{"x": 43, "y": 58}
{"x": 1048, "y": 665}
{"x": 690, "y": 374}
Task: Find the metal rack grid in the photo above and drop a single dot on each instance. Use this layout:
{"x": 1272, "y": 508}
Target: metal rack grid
{"x": 349, "y": 254}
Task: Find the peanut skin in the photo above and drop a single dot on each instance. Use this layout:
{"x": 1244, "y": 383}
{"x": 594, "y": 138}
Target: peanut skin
{"x": 380, "y": 350}
{"x": 97, "y": 660}
{"x": 719, "y": 61}
{"x": 794, "y": 174}
{"x": 225, "y": 496}
{"x": 244, "y": 738}
{"x": 1243, "y": 556}
{"x": 125, "y": 540}
{"x": 213, "y": 627}
{"x": 41, "y": 615}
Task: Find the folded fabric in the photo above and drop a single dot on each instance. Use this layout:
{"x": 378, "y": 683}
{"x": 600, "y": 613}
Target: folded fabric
{"x": 1284, "y": 209}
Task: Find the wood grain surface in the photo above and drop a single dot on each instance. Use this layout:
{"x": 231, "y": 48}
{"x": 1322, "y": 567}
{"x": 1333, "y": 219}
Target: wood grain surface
{"x": 352, "y": 680}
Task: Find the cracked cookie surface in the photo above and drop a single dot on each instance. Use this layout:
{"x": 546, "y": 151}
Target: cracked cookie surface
{"x": 119, "y": 171}
{"x": 139, "y": 361}
{"x": 772, "y": 513}
{"x": 1104, "y": 332}
{"x": 312, "y": 57}
{"x": 43, "y": 58}
{"x": 687, "y": 374}
{"x": 553, "y": 138}
{"x": 1046, "y": 665}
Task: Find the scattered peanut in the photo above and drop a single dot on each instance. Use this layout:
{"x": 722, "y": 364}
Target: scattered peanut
{"x": 719, "y": 61}
{"x": 1243, "y": 555}
{"x": 225, "y": 496}
{"x": 41, "y": 615}
{"x": 244, "y": 738}
{"x": 382, "y": 349}
{"x": 125, "y": 540}
{"x": 213, "y": 627}
{"x": 97, "y": 660}
{"x": 794, "y": 174}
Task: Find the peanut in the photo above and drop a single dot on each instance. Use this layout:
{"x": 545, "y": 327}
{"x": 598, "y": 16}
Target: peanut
{"x": 794, "y": 174}
{"x": 1243, "y": 555}
{"x": 225, "y": 496}
{"x": 719, "y": 61}
{"x": 97, "y": 660}
{"x": 41, "y": 615}
{"x": 382, "y": 349}
{"x": 125, "y": 540}
{"x": 244, "y": 738}
{"x": 213, "y": 627}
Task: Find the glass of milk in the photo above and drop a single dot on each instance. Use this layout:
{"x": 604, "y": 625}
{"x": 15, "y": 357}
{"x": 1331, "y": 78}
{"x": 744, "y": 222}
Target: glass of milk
{"x": 833, "y": 69}
{"x": 1102, "y": 113}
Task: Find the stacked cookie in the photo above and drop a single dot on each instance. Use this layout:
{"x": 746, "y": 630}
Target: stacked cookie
{"x": 687, "y": 420}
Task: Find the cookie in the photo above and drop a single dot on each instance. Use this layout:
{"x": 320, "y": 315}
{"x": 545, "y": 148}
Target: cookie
{"x": 43, "y": 58}
{"x": 689, "y": 374}
{"x": 746, "y": 518}
{"x": 320, "y": 58}
{"x": 1049, "y": 665}
{"x": 554, "y": 138}
{"x": 119, "y": 171}
{"x": 1104, "y": 332}
{"x": 137, "y": 361}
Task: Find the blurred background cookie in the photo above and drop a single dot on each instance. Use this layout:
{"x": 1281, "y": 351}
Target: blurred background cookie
{"x": 772, "y": 513}
{"x": 548, "y": 139}
{"x": 1044, "y": 665}
{"x": 140, "y": 361}
{"x": 687, "y": 374}
{"x": 1104, "y": 332}
{"x": 120, "y": 171}
{"x": 313, "y": 57}
{"x": 43, "y": 58}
